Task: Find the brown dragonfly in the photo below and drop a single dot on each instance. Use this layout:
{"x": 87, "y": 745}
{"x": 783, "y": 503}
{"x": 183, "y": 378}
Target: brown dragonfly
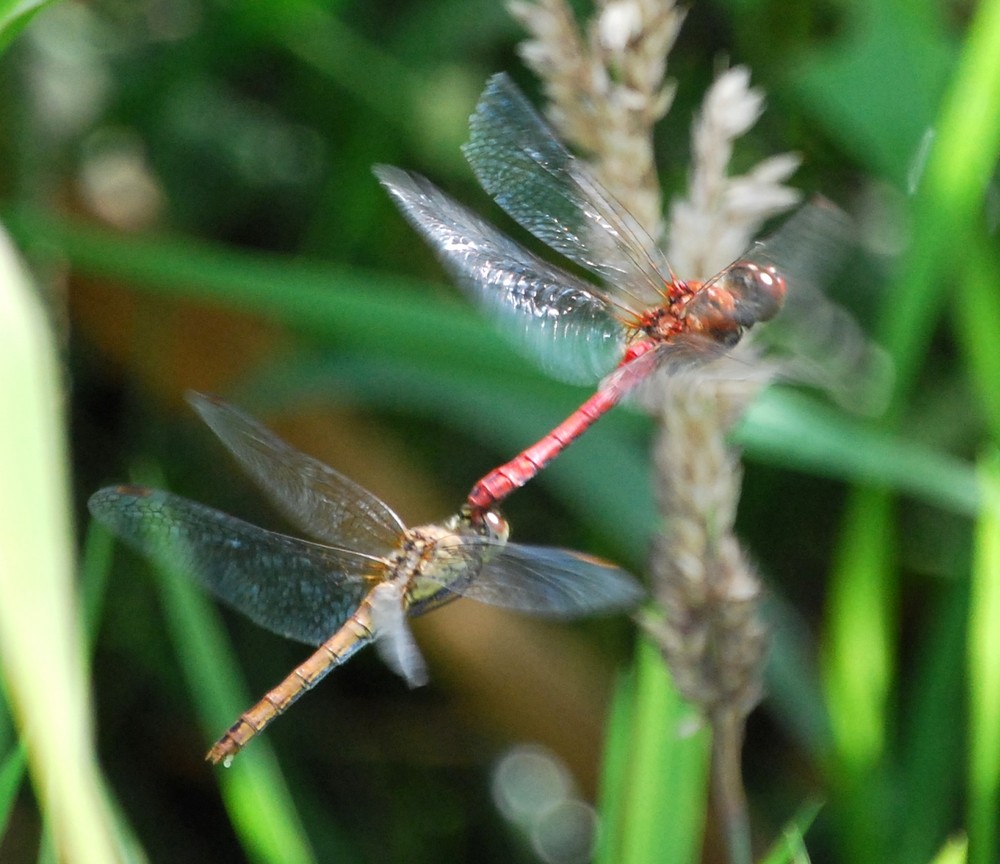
{"x": 366, "y": 574}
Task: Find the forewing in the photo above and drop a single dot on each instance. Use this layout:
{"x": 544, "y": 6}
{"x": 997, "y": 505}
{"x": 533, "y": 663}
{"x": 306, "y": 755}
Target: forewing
{"x": 538, "y": 580}
{"x": 322, "y": 502}
{"x": 297, "y": 589}
{"x": 561, "y": 322}
{"x": 523, "y": 165}
{"x": 818, "y": 341}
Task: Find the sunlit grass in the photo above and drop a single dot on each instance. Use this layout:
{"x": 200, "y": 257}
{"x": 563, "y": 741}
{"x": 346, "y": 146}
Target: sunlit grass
{"x": 984, "y": 674}
{"x": 656, "y": 763}
{"x": 40, "y": 641}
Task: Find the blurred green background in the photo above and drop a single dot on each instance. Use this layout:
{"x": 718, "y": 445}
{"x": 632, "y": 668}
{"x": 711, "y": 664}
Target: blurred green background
{"x": 189, "y": 183}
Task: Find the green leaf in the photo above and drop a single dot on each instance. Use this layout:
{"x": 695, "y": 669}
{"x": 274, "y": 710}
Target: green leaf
{"x": 789, "y": 429}
{"x": 11, "y": 778}
{"x": 859, "y": 664}
{"x": 791, "y": 848}
{"x": 890, "y": 62}
{"x": 15, "y": 16}
{"x": 40, "y": 642}
{"x": 655, "y": 779}
{"x": 983, "y": 676}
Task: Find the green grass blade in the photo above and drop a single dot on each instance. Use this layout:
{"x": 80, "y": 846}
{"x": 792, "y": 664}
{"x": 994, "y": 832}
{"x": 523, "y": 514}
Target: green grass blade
{"x": 949, "y": 200}
{"x": 256, "y": 797}
{"x": 929, "y": 749}
{"x": 789, "y": 429}
{"x": 791, "y": 848}
{"x": 955, "y": 851}
{"x": 858, "y": 650}
{"x": 655, "y": 778}
{"x": 12, "y": 770}
{"x": 361, "y": 309}
{"x": 40, "y": 644}
{"x": 95, "y": 567}
{"x": 978, "y": 323}
{"x": 15, "y": 16}
{"x": 860, "y": 632}
{"x": 984, "y": 674}
{"x": 858, "y": 667}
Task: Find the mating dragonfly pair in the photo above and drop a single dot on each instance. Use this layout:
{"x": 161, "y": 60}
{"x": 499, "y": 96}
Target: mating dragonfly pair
{"x": 367, "y": 572}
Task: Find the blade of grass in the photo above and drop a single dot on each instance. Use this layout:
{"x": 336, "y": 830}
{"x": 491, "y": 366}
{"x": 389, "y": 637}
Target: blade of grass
{"x": 791, "y": 848}
{"x": 949, "y": 200}
{"x": 955, "y": 851}
{"x": 858, "y": 665}
{"x": 860, "y": 613}
{"x": 652, "y": 767}
{"x": 361, "y": 309}
{"x": 984, "y": 674}
{"x": 977, "y": 318}
{"x": 256, "y": 797}
{"x": 40, "y": 645}
{"x": 11, "y": 776}
{"x": 930, "y": 746}
{"x": 15, "y": 16}
{"x": 792, "y": 430}
{"x": 95, "y": 567}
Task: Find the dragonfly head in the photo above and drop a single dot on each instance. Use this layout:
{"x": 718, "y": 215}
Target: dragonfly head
{"x": 488, "y": 523}
{"x": 759, "y": 291}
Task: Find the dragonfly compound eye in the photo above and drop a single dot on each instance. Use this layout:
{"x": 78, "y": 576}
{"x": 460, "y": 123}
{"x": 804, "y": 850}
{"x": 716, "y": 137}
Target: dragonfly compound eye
{"x": 760, "y": 290}
{"x": 496, "y": 525}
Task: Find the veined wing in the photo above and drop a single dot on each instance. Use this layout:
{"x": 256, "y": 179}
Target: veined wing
{"x": 322, "y": 502}
{"x": 297, "y": 589}
{"x": 818, "y": 341}
{"x": 540, "y": 580}
{"x": 563, "y": 323}
{"x": 519, "y": 160}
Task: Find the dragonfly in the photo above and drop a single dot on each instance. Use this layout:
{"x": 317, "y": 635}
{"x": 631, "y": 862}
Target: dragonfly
{"x": 641, "y": 318}
{"x": 362, "y": 575}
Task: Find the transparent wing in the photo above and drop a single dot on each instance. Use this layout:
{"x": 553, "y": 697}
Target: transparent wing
{"x": 685, "y": 353}
{"x": 561, "y": 322}
{"x": 817, "y": 340}
{"x": 297, "y": 589}
{"x": 393, "y": 638}
{"x": 543, "y": 581}
{"x": 322, "y": 502}
{"x": 520, "y": 162}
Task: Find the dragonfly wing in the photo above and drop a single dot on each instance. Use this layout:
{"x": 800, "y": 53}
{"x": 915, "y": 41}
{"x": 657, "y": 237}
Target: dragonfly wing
{"x": 817, "y": 340}
{"x": 519, "y": 160}
{"x": 322, "y": 502}
{"x": 394, "y": 640}
{"x": 540, "y": 580}
{"x": 557, "y": 319}
{"x": 297, "y": 589}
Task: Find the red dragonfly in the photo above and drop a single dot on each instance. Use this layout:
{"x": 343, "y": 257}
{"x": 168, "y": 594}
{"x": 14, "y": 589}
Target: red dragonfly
{"x": 643, "y": 318}
{"x": 361, "y": 581}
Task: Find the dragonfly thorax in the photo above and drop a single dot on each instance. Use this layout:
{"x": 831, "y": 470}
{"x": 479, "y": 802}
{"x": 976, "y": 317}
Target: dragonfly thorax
{"x": 439, "y": 559}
